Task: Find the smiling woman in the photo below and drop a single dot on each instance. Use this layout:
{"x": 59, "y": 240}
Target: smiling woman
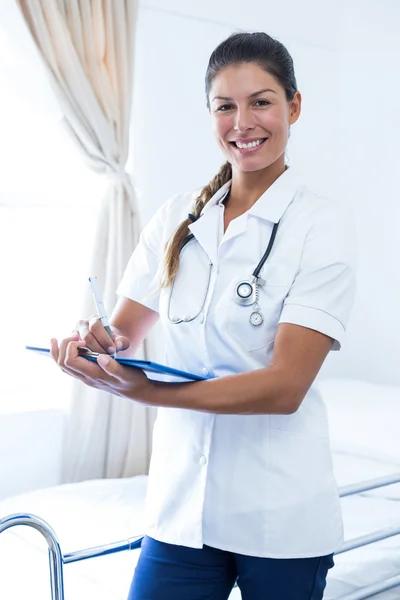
{"x": 253, "y": 282}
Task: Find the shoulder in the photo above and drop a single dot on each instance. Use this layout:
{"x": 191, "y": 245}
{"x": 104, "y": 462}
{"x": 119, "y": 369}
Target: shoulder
{"x": 313, "y": 210}
{"x": 316, "y": 207}
{"x": 326, "y": 222}
{"x": 176, "y": 208}
{"x": 169, "y": 215}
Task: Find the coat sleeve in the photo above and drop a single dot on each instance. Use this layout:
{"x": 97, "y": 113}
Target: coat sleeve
{"x": 142, "y": 277}
{"x": 323, "y": 291}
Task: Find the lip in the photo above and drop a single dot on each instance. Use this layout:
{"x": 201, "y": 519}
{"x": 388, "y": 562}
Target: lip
{"x": 249, "y": 150}
{"x": 248, "y": 140}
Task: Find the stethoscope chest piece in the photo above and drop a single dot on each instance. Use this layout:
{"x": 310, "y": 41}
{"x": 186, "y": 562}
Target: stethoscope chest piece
{"x": 244, "y": 293}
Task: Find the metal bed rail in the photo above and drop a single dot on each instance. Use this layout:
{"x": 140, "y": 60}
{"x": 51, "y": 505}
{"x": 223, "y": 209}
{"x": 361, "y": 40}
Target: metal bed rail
{"x": 57, "y": 559}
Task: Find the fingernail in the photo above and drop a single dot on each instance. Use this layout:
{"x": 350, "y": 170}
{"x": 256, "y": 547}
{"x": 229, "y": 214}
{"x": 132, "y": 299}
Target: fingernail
{"x": 103, "y": 359}
{"x": 119, "y": 345}
{"x": 111, "y": 350}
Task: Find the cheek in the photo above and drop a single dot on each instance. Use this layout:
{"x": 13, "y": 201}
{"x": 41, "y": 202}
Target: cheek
{"x": 275, "y": 120}
{"x": 221, "y": 127}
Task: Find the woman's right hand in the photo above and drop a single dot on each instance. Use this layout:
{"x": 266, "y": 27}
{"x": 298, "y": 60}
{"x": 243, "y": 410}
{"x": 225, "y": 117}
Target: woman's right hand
{"x": 92, "y": 332}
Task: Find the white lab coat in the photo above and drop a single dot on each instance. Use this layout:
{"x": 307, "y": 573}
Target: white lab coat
{"x": 256, "y": 485}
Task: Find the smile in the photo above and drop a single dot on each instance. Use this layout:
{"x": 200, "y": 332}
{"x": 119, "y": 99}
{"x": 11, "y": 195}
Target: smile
{"x": 250, "y": 147}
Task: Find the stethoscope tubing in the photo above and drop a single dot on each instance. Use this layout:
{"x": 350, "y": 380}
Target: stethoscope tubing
{"x": 255, "y": 275}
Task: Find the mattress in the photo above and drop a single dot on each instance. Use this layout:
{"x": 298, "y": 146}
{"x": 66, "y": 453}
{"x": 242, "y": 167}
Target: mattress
{"x": 363, "y": 422}
{"x": 97, "y": 512}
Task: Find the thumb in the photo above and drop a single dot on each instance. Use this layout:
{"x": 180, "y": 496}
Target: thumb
{"x": 121, "y": 342}
{"x": 108, "y": 364}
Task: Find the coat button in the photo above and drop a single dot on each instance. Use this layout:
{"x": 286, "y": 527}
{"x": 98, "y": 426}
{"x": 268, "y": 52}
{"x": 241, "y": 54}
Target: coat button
{"x": 202, "y": 460}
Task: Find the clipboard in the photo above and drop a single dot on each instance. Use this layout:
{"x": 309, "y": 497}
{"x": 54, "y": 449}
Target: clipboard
{"x": 149, "y": 367}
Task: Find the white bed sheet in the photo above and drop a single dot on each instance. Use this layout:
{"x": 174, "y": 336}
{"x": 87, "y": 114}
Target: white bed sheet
{"x": 363, "y": 423}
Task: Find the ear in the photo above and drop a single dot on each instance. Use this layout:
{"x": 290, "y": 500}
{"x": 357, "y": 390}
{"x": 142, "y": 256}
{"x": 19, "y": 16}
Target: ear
{"x": 295, "y": 108}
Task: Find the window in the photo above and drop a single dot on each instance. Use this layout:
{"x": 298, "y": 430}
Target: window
{"x": 48, "y": 210}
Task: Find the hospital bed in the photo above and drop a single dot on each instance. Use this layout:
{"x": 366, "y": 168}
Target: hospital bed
{"x": 88, "y": 523}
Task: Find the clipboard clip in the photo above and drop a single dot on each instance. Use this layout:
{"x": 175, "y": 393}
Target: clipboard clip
{"x": 87, "y": 352}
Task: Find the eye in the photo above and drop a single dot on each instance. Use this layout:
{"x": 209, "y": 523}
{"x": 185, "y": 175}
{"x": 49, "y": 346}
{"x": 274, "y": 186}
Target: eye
{"x": 223, "y": 107}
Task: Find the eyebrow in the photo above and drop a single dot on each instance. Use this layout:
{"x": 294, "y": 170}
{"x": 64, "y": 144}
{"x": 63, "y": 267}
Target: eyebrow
{"x": 251, "y": 95}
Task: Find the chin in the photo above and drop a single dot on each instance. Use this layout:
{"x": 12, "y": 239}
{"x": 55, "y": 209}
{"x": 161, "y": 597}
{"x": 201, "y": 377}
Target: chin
{"x": 246, "y": 168}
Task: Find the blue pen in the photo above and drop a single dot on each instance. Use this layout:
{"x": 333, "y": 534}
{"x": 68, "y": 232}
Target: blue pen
{"x": 101, "y": 311}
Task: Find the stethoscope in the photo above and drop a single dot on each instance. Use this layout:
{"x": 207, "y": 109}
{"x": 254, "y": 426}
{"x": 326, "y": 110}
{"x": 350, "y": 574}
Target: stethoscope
{"x": 246, "y": 292}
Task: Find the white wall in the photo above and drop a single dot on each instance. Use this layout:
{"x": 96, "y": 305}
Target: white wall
{"x": 346, "y": 57}
{"x": 30, "y": 450}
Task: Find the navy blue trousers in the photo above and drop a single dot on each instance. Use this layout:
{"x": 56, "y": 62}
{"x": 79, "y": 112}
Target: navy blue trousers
{"x": 170, "y": 572}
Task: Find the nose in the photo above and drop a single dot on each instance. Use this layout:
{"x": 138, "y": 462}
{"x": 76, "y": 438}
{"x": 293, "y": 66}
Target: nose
{"x": 244, "y": 120}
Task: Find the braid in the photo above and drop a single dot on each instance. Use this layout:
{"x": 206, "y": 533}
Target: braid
{"x": 173, "y": 246}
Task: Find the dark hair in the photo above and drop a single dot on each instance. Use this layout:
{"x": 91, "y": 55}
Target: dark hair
{"x": 272, "y": 56}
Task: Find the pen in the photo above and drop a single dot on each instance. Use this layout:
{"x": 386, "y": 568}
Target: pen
{"x": 101, "y": 311}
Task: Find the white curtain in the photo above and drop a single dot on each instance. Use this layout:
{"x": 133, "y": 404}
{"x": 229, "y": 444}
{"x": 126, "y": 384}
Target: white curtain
{"x": 88, "y": 49}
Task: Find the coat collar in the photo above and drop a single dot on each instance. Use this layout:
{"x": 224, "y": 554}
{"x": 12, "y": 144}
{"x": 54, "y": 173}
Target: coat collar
{"x": 272, "y": 204}
{"x": 270, "y": 207}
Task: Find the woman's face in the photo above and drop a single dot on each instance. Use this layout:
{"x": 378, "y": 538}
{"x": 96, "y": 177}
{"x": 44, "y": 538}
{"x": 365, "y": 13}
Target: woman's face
{"x": 248, "y": 106}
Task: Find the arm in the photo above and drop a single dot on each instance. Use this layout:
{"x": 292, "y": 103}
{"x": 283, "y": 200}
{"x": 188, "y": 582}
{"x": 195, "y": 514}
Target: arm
{"x": 278, "y": 389}
{"x": 134, "y": 321}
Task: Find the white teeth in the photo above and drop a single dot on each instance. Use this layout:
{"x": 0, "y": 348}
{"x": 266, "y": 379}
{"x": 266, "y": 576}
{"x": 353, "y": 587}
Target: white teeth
{"x": 251, "y": 144}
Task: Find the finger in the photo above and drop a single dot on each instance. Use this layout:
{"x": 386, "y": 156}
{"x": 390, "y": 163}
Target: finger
{"x": 62, "y": 348}
{"x": 110, "y": 366}
{"x": 54, "y": 349}
{"x": 81, "y": 327}
{"x": 96, "y": 328}
{"x": 88, "y": 336}
{"x": 121, "y": 343}
{"x": 77, "y": 366}
{"x": 55, "y": 352}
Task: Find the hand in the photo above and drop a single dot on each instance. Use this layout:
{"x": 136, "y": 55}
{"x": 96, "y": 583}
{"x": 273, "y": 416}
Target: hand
{"x": 96, "y": 338}
{"x": 104, "y": 374}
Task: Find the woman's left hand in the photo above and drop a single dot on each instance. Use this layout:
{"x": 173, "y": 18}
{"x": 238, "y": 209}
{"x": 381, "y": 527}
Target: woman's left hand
{"x": 105, "y": 374}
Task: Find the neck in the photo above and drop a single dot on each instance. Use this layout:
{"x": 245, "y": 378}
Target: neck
{"x": 247, "y": 187}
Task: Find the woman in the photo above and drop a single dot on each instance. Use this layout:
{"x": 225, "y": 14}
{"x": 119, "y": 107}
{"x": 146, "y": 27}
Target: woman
{"x": 254, "y": 289}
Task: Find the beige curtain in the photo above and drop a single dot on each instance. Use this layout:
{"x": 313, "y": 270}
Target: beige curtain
{"x": 88, "y": 49}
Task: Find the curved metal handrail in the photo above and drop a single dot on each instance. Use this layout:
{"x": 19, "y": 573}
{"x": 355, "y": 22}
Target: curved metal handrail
{"x": 56, "y": 558}
{"x": 55, "y": 555}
